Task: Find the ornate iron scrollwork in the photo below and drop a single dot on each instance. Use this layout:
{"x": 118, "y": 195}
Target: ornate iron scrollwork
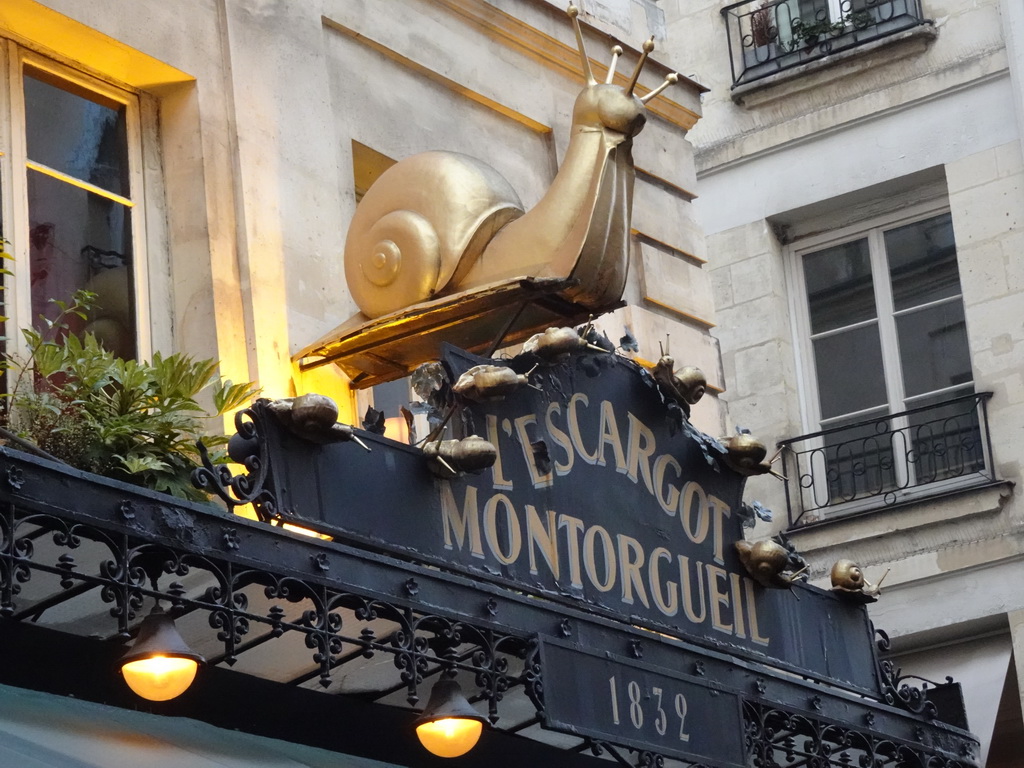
{"x": 896, "y": 691}
{"x": 249, "y": 448}
{"x": 533, "y": 675}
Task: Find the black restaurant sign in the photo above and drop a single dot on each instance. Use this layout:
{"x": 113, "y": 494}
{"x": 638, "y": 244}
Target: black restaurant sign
{"x": 601, "y": 497}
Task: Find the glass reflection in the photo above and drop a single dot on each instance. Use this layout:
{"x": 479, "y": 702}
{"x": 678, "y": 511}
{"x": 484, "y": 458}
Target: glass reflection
{"x": 840, "y": 290}
{"x": 78, "y": 239}
{"x": 76, "y": 135}
{"x": 922, "y": 262}
{"x": 933, "y": 348}
{"x": 850, "y": 373}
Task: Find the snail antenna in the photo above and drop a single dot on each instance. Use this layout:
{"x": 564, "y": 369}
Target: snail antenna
{"x": 616, "y": 52}
{"x": 574, "y": 13}
{"x": 647, "y": 48}
{"x": 670, "y": 79}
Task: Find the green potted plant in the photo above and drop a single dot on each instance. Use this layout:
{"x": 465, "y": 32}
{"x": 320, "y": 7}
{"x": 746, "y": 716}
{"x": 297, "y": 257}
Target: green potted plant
{"x": 807, "y": 35}
{"x": 137, "y": 421}
{"x": 764, "y": 36}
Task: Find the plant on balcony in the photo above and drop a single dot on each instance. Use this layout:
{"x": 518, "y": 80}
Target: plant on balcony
{"x": 809, "y": 35}
{"x": 763, "y": 30}
{"x": 126, "y": 419}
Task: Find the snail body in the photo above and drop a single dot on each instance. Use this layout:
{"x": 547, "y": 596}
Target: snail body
{"x": 489, "y": 382}
{"x": 447, "y": 458}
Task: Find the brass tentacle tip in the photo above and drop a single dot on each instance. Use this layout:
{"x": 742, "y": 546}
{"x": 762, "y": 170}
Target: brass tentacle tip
{"x": 649, "y": 44}
{"x": 572, "y": 11}
{"x": 616, "y": 50}
{"x": 670, "y": 79}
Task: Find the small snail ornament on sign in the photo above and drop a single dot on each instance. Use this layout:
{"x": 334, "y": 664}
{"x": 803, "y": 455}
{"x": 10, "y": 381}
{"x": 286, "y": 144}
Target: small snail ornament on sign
{"x": 767, "y": 562}
{"x": 313, "y": 417}
{"x": 745, "y": 454}
{"x": 848, "y": 579}
{"x": 450, "y": 458}
{"x": 485, "y": 383}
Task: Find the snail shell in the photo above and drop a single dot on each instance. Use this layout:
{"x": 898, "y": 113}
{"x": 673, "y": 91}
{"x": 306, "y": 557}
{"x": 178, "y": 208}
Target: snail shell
{"x": 688, "y": 385}
{"x": 847, "y": 575}
{"x": 691, "y": 383}
{"x": 765, "y": 561}
{"x": 420, "y": 228}
{"x": 745, "y": 450}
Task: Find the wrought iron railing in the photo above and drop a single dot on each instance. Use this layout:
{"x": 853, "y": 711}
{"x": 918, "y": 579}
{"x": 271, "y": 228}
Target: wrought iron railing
{"x": 769, "y": 36}
{"x": 881, "y": 462}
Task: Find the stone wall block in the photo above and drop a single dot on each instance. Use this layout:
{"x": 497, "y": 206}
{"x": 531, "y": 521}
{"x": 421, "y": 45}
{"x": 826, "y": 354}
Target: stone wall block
{"x": 760, "y": 368}
{"x": 989, "y": 212}
{"x": 752, "y": 323}
{"x": 982, "y": 272}
{"x": 751, "y": 278}
{"x": 676, "y": 283}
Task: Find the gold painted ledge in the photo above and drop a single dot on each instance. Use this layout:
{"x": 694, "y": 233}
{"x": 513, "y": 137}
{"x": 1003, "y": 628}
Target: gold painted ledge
{"x": 374, "y": 351}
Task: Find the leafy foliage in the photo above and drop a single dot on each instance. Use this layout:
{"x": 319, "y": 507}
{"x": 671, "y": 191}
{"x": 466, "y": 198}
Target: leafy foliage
{"x": 127, "y": 419}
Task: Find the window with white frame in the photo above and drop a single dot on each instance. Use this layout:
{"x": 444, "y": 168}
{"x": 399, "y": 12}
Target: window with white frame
{"x": 71, "y": 174}
{"x": 882, "y": 334}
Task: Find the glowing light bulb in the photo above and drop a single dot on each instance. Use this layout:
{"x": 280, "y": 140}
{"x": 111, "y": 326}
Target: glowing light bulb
{"x": 160, "y": 678}
{"x": 450, "y": 736}
{"x": 159, "y": 665}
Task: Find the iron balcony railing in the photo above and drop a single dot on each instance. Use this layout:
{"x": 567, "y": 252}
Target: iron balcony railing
{"x": 881, "y": 462}
{"x": 769, "y": 36}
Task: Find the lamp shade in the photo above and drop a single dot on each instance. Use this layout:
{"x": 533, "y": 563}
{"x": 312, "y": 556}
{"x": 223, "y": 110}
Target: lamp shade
{"x": 449, "y": 726}
{"x": 159, "y": 665}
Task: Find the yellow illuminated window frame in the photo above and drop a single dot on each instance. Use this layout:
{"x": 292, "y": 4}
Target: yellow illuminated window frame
{"x": 16, "y": 62}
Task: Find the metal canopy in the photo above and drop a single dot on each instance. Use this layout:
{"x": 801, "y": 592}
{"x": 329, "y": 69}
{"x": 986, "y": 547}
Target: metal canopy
{"x": 87, "y": 556}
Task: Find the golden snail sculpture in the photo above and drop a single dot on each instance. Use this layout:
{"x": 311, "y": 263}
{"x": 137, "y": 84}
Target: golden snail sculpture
{"x": 483, "y": 383}
{"x": 767, "y": 562}
{"x": 848, "y": 577}
{"x": 440, "y": 223}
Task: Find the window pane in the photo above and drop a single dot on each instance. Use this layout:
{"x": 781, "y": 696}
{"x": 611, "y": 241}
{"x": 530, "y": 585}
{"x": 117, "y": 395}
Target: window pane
{"x": 78, "y": 239}
{"x": 810, "y": 11}
{"x": 922, "y": 262}
{"x": 933, "y": 348}
{"x": 850, "y": 374}
{"x": 76, "y": 136}
{"x": 840, "y": 291}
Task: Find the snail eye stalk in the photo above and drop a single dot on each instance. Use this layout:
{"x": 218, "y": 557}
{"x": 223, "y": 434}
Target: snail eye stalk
{"x": 616, "y": 52}
{"x": 574, "y": 14}
{"x": 647, "y": 48}
{"x": 670, "y": 79}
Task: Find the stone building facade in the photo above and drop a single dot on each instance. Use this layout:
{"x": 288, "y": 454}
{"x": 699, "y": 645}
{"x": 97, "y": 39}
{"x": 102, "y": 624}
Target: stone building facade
{"x": 196, "y": 164}
{"x": 861, "y": 187}
{"x": 254, "y": 127}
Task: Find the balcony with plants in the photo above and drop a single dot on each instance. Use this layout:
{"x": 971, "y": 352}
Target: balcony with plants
{"x": 767, "y": 37}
